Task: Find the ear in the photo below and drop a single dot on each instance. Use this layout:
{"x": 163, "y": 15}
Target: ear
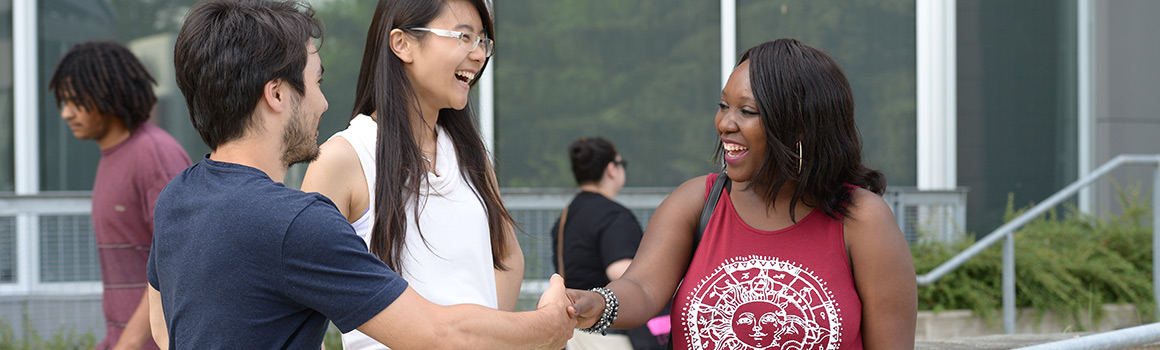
{"x": 274, "y": 94}
{"x": 610, "y": 170}
{"x": 401, "y": 45}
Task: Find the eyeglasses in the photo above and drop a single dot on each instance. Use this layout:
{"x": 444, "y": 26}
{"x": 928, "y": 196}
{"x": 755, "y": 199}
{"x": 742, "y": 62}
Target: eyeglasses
{"x": 622, "y": 163}
{"x": 467, "y": 41}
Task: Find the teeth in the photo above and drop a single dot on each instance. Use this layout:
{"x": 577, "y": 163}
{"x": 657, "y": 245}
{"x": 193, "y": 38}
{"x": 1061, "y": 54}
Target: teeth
{"x": 734, "y": 147}
{"x": 469, "y": 75}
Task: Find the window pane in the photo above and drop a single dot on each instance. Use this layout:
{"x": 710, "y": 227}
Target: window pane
{"x": 7, "y": 144}
{"x": 147, "y": 28}
{"x": 1016, "y": 104}
{"x": 873, "y": 41}
{"x": 639, "y": 73}
{"x": 68, "y": 249}
{"x": 7, "y": 249}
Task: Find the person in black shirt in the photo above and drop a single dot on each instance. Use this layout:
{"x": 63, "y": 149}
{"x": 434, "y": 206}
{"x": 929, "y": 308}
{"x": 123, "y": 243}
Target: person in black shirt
{"x": 600, "y": 236}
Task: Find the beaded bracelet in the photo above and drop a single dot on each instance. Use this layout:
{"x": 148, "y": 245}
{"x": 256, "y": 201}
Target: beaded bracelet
{"x": 611, "y": 306}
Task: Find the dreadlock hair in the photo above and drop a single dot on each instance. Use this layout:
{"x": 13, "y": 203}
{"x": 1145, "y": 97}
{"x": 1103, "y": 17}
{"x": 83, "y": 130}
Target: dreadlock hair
{"x": 105, "y": 77}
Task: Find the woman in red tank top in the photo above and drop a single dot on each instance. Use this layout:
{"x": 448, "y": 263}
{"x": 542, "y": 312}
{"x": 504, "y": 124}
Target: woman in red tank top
{"x": 801, "y": 252}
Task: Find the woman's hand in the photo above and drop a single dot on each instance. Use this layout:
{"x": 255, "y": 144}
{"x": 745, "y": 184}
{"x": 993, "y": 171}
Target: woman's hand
{"x": 589, "y": 306}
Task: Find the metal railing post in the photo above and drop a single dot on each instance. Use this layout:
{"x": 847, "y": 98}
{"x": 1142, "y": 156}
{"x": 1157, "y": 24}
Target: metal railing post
{"x": 1009, "y": 283}
{"x": 1156, "y": 237}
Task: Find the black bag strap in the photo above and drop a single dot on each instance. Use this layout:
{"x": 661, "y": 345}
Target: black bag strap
{"x": 722, "y": 182}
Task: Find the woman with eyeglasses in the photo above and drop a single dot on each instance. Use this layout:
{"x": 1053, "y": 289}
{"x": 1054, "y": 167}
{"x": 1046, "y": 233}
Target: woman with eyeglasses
{"x": 411, "y": 173}
{"x": 799, "y": 252}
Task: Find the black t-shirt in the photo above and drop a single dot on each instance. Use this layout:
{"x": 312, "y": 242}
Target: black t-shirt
{"x": 598, "y": 232}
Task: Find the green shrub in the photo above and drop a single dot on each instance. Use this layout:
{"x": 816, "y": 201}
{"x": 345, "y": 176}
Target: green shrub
{"x": 63, "y": 340}
{"x": 1070, "y": 264}
{"x": 333, "y": 340}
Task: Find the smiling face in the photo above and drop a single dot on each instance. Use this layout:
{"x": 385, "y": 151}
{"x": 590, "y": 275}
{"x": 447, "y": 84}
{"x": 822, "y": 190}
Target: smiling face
{"x": 740, "y": 127}
{"x": 442, "y": 71}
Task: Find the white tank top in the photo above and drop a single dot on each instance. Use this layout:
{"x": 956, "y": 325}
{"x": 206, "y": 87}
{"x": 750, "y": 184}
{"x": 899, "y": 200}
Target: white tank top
{"x": 454, "y": 265}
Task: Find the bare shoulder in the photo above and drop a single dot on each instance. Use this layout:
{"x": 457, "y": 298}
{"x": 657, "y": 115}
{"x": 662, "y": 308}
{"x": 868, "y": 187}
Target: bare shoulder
{"x": 337, "y": 174}
{"x": 694, "y": 187}
{"x": 337, "y": 160}
{"x": 689, "y": 196}
{"x": 869, "y": 217}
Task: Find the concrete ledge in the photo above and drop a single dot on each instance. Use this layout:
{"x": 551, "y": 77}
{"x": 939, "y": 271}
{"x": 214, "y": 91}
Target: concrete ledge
{"x": 952, "y": 324}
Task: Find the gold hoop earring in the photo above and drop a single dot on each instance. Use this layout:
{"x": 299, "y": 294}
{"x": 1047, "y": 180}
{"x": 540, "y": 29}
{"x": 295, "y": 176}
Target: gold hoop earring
{"x": 799, "y": 144}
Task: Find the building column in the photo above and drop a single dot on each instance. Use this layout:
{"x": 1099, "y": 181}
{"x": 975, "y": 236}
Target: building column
{"x": 728, "y": 38}
{"x": 936, "y": 100}
{"x": 1085, "y": 54}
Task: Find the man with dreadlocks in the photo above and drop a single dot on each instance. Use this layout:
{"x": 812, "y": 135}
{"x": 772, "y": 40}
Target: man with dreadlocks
{"x": 106, "y": 95}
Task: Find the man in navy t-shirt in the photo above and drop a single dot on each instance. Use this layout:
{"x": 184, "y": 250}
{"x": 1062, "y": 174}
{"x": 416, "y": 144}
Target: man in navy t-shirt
{"x": 240, "y": 261}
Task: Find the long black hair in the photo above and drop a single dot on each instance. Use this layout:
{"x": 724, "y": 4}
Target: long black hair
{"x": 383, "y": 87}
{"x": 104, "y": 77}
{"x": 803, "y": 96}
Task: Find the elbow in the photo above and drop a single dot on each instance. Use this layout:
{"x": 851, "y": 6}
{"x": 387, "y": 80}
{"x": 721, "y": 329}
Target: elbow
{"x": 445, "y": 336}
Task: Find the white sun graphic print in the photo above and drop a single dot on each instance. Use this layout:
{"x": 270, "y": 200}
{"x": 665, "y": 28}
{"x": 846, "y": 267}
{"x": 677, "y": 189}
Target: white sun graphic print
{"x": 759, "y": 302}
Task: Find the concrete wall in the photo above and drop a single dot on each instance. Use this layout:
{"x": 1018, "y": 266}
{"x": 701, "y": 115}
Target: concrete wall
{"x": 1127, "y": 91}
{"x": 952, "y": 324}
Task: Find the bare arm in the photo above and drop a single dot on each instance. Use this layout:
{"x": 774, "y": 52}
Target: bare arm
{"x": 883, "y": 274}
{"x": 507, "y": 283}
{"x": 338, "y": 175}
{"x": 157, "y": 319}
{"x": 137, "y": 329}
{"x": 617, "y": 268}
{"x": 663, "y": 258}
{"x": 412, "y": 322}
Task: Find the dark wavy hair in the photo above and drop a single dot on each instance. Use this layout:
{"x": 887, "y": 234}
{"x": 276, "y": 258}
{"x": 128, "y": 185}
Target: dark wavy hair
{"x": 803, "y": 96}
{"x": 228, "y": 50}
{"x": 105, "y": 77}
{"x": 590, "y": 156}
{"x": 383, "y": 87}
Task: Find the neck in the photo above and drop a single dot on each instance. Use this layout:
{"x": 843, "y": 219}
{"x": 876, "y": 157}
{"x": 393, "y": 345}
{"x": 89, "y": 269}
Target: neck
{"x": 602, "y": 188}
{"x": 253, "y": 153}
{"x": 117, "y": 133}
{"x": 423, "y": 129}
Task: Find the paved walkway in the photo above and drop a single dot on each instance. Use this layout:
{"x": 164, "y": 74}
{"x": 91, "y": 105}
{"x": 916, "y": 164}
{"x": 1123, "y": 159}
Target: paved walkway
{"x": 1005, "y": 341}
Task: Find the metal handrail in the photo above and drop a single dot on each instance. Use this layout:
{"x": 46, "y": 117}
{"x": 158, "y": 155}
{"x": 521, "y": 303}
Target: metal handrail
{"x": 1006, "y": 232}
{"x": 1117, "y": 339}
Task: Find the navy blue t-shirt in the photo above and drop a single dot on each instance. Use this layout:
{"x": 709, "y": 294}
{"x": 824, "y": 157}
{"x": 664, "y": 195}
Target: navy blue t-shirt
{"x": 242, "y": 262}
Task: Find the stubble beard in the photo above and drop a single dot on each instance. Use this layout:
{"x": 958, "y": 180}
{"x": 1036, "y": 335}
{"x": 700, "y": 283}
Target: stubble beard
{"x": 300, "y": 141}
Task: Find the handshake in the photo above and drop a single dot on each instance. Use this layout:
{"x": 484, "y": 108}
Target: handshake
{"x": 567, "y": 309}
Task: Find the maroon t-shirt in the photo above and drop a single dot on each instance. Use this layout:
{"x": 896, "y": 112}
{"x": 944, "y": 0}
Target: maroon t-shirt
{"x": 753, "y": 289}
{"x": 129, "y": 178}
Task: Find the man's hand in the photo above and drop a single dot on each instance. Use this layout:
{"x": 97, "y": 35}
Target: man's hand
{"x": 556, "y": 303}
{"x": 589, "y": 307}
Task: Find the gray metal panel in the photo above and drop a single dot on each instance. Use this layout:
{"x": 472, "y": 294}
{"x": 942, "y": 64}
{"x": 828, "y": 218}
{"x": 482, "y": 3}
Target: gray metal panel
{"x": 7, "y": 249}
{"x": 68, "y": 249}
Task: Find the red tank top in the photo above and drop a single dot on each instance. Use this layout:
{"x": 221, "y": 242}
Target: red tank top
{"x": 751, "y": 289}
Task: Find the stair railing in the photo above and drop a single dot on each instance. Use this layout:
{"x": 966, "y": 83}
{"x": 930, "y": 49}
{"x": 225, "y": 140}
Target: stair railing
{"x": 1006, "y": 233}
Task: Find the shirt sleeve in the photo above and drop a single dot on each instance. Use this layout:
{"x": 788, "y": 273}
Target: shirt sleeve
{"x": 327, "y": 267}
{"x": 620, "y": 238}
{"x": 151, "y": 271}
